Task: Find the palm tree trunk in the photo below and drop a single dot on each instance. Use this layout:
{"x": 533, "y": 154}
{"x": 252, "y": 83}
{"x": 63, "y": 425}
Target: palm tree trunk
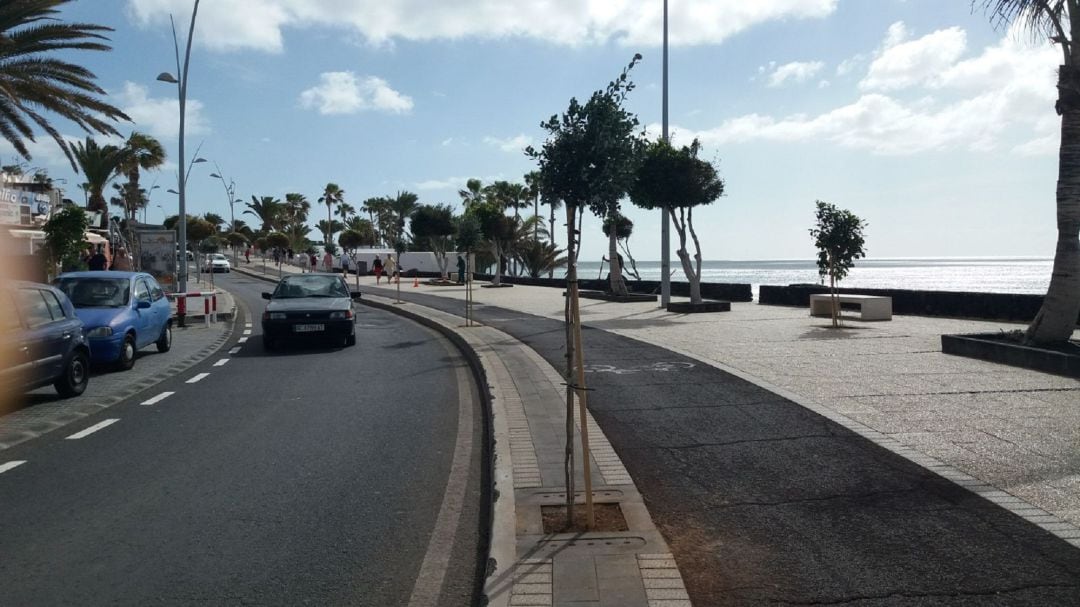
{"x": 1057, "y": 318}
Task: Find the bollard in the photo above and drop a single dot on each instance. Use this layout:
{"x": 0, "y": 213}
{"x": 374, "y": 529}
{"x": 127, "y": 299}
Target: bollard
{"x": 206, "y": 311}
{"x": 181, "y": 309}
{"x": 213, "y": 306}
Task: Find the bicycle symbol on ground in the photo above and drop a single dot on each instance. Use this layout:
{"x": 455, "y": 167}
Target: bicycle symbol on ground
{"x": 658, "y": 367}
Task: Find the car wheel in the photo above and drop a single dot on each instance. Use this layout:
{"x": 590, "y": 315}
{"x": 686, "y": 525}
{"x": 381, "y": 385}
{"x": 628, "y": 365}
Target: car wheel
{"x": 164, "y": 343}
{"x": 350, "y": 340}
{"x": 127, "y": 353}
{"x": 76, "y": 375}
{"x": 268, "y": 343}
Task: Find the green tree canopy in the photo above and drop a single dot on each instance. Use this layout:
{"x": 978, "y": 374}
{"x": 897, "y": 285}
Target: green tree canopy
{"x": 65, "y": 236}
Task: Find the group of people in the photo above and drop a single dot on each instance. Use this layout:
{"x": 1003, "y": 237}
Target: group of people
{"x": 96, "y": 261}
{"x": 308, "y": 262}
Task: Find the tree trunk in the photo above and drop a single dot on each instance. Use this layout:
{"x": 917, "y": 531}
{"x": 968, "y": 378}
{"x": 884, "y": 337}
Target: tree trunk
{"x": 1057, "y": 317}
{"x": 695, "y": 278}
{"x": 834, "y": 307}
{"x": 571, "y": 293}
{"x": 551, "y": 222}
{"x": 618, "y": 285}
{"x": 497, "y": 278}
{"x": 692, "y": 277}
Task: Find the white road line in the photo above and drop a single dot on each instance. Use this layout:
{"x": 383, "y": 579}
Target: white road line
{"x": 10, "y": 465}
{"x": 247, "y": 325}
{"x": 157, "y": 399}
{"x": 247, "y": 331}
{"x": 197, "y": 378}
{"x": 234, "y": 351}
{"x": 242, "y": 340}
{"x": 221, "y": 363}
{"x": 92, "y": 429}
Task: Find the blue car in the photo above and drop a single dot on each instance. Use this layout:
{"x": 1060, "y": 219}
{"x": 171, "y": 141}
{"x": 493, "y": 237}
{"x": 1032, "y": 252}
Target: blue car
{"x": 122, "y": 312}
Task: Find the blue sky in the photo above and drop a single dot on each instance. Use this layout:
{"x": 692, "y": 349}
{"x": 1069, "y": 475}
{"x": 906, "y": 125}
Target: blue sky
{"x": 918, "y": 115}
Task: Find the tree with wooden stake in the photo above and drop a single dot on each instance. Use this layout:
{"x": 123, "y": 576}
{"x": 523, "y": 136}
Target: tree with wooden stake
{"x": 676, "y": 179}
{"x": 588, "y": 160}
{"x": 839, "y": 241}
{"x": 468, "y": 237}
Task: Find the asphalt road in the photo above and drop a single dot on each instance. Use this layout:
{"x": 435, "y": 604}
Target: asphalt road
{"x": 766, "y": 503}
{"x": 309, "y": 476}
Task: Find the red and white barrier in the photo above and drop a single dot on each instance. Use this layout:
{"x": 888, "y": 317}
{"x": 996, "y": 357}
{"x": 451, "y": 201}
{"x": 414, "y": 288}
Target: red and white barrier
{"x": 209, "y": 304}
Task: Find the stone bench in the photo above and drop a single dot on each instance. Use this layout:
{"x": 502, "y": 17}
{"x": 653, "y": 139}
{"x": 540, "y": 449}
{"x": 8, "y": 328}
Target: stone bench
{"x": 871, "y": 307}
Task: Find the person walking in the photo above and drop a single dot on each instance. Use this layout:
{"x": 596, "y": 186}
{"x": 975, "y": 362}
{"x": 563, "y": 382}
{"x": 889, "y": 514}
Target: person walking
{"x": 346, "y": 262}
{"x": 97, "y": 262}
{"x": 121, "y": 262}
{"x": 302, "y": 261}
{"x": 313, "y": 262}
{"x": 328, "y": 262}
{"x": 247, "y": 254}
{"x": 391, "y": 269}
{"x": 460, "y": 270}
{"x": 377, "y": 267}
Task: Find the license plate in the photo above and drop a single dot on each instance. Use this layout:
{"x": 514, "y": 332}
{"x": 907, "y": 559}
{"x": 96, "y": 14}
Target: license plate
{"x": 308, "y": 328}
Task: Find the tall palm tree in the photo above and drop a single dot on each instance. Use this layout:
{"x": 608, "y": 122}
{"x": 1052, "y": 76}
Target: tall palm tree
{"x": 473, "y": 194}
{"x": 1057, "y": 20}
{"x": 402, "y": 206}
{"x": 297, "y": 208}
{"x": 532, "y": 187}
{"x": 139, "y": 152}
{"x": 332, "y": 196}
{"x": 345, "y": 211}
{"x": 267, "y": 209}
{"x": 34, "y": 79}
{"x": 98, "y": 164}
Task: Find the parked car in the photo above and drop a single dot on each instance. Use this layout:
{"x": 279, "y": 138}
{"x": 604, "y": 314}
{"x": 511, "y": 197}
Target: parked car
{"x": 123, "y": 312}
{"x": 316, "y": 306}
{"x": 216, "y": 262}
{"x": 40, "y": 328}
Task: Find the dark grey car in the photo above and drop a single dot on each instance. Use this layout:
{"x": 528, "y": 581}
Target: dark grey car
{"x": 310, "y": 306}
{"x": 40, "y": 330}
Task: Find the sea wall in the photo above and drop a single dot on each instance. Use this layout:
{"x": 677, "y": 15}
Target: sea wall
{"x": 996, "y": 306}
{"x": 709, "y": 290}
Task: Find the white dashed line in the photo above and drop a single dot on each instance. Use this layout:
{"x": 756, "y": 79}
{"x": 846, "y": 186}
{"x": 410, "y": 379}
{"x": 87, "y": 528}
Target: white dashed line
{"x": 221, "y": 363}
{"x": 198, "y": 378}
{"x": 247, "y": 325}
{"x": 247, "y": 331}
{"x": 242, "y": 340}
{"x": 157, "y": 399}
{"x": 10, "y": 465}
{"x": 92, "y": 429}
{"x": 234, "y": 351}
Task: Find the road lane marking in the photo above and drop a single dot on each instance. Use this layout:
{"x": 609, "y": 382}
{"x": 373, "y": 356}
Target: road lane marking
{"x": 92, "y": 429}
{"x": 247, "y": 331}
{"x": 221, "y": 362}
{"x": 242, "y": 340}
{"x": 247, "y": 325}
{"x": 157, "y": 399}
{"x": 8, "y": 466}
{"x": 198, "y": 378}
{"x": 233, "y": 351}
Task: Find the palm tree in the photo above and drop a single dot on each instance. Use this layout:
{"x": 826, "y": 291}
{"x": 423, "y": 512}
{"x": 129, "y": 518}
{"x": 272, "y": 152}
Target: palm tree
{"x": 332, "y": 196}
{"x": 140, "y": 151}
{"x": 328, "y": 228}
{"x": 98, "y": 164}
{"x": 532, "y": 190}
{"x": 1057, "y": 20}
{"x": 33, "y": 78}
{"x": 296, "y": 208}
{"x": 267, "y": 209}
{"x": 215, "y": 220}
{"x": 345, "y": 210}
{"x": 402, "y": 206}
{"x": 473, "y": 194}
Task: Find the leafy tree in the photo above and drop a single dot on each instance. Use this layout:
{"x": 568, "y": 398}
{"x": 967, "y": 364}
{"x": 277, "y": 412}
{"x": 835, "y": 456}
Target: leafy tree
{"x": 839, "y": 241}
{"x": 350, "y": 240}
{"x": 236, "y": 240}
{"x": 98, "y": 164}
{"x": 468, "y": 235}
{"x": 624, "y": 228}
{"x": 676, "y": 179}
{"x": 432, "y": 227}
{"x": 211, "y": 244}
{"x": 497, "y": 230}
{"x": 215, "y": 220}
{"x": 277, "y": 240}
{"x": 332, "y": 196}
{"x": 1058, "y": 21}
{"x": 65, "y": 235}
{"x": 34, "y": 78}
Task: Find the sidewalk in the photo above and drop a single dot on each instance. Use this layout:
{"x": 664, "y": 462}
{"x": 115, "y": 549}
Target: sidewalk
{"x": 839, "y": 481}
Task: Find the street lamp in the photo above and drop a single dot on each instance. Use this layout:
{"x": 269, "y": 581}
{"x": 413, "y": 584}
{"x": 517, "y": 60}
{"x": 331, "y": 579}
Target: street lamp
{"x": 665, "y": 228}
{"x": 149, "y": 193}
{"x": 181, "y": 86}
{"x": 230, "y": 193}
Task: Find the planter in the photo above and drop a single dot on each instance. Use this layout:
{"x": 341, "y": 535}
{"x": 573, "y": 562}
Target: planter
{"x": 685, "y": 307}
{"x": 1001, "y": 348}
{"x": 605, "y": 296}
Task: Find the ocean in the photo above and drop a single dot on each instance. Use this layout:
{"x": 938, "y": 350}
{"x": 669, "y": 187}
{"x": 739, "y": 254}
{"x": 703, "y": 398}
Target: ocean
{"x": 979, "y": 274}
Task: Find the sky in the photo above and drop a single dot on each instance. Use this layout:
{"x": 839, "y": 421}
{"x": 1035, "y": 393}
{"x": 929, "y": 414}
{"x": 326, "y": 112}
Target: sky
{"x": 923, "y": 117}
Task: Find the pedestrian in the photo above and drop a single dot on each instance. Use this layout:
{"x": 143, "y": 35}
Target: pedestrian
{"x": 121, "y": 262}
{"x": 377, "y": 267}
{"x": 391, "y": 269}
{"x": 313, "y": 262}
{"x": 328, "y": 262}
{"x": 301, "y": 260}
{"x": 97, "y": 262}
{"x": 346, "y": 261}
{"x": 460, "y": 269}
{"x": 247, "y": 254}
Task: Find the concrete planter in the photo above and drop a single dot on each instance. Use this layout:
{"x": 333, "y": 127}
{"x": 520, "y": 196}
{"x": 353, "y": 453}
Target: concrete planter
{"x": 685, "y": 307}
{"x": 996, "y": 347}
{"x": 605, "y": 296}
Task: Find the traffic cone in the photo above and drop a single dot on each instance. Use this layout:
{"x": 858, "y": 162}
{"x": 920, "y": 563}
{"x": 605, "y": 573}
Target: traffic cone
{"x": 416, "y": 281}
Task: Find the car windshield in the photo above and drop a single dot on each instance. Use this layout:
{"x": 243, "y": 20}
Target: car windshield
{"x": 310, "y": 286}
{"x": 93, "y": 292}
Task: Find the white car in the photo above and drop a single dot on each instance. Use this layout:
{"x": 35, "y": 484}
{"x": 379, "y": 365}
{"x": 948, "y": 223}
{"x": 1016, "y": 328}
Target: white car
{"x": 216, "y": 262}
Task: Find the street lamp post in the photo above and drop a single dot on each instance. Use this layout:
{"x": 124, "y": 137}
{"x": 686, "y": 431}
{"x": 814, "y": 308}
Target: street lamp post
{"x": 665, "y": 228}
{"x": 230, "y": 194}
{"x": 182, "y": 83}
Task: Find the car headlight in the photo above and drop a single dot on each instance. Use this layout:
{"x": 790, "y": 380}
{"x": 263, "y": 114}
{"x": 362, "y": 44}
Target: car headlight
{"x": 275, "y": 315}
{"x": 341, "y": 315}
{"x": 100, "y": 332}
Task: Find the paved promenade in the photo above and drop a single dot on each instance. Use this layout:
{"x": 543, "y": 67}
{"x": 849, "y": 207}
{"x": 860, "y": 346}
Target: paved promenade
{"x": 786, "y": 462}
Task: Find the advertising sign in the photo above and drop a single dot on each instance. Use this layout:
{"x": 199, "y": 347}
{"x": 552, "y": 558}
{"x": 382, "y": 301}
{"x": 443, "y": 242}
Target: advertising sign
{"x": 157, "y": 256}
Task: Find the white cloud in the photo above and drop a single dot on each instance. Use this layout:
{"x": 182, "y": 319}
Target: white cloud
{"x": 446, "y": 142}
{"x": 344, "y": 93}
{"x": 513, "y": 144}
{"x": 850, "y": 65}
{"x": 796, "y": 71}
{"x": 902, "y": 64}
{"x": 160, "y": 116}
{"x": 258, "y": 24}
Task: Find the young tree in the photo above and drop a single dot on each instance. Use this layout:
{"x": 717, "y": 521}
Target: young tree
{"x": 497, "y": 230}
{"x": 65, "y": 235}
{"x": 432, "y": 227}
{"x": 1058, "y": 21}
{"x": 678, "y": 180}
{"x": 588, "y": 160}
{"x": 350, "y": 239}
{"x": 839, "y": 241}
{"x": 624, "y": 228}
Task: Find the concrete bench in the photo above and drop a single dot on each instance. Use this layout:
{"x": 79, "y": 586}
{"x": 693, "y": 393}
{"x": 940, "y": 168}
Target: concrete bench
{"x": 871, "y": 307}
